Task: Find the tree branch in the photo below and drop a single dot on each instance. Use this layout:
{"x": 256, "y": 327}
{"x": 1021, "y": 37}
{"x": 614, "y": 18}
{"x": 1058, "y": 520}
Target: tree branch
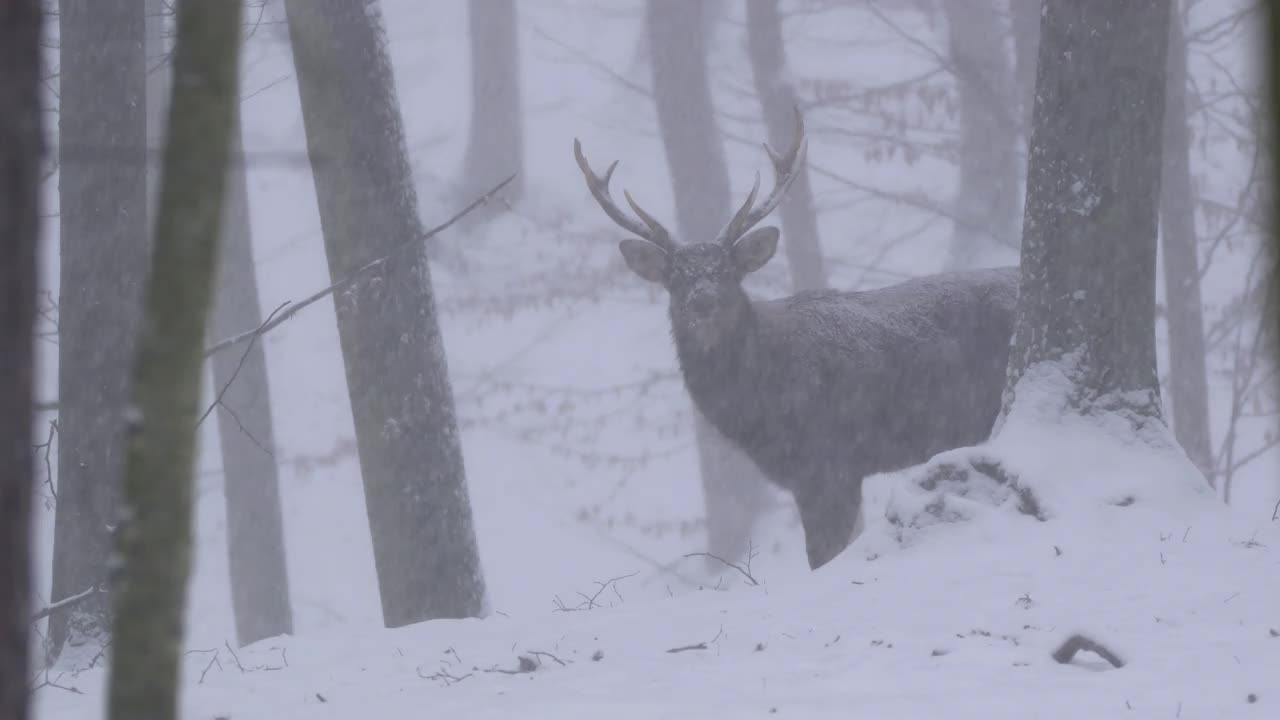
{"x": 351, "y": 279}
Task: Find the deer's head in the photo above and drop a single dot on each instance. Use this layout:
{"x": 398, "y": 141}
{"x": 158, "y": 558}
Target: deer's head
{"x": 703, "y": 277}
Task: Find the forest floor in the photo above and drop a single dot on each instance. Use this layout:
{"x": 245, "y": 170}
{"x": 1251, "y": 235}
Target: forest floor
{"x": 949, "y": 619}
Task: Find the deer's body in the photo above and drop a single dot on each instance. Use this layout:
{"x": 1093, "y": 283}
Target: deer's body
{"x": 823, "y": 388}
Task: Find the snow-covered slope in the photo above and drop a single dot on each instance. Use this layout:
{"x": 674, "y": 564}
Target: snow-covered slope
{"x": 956, "y": 620}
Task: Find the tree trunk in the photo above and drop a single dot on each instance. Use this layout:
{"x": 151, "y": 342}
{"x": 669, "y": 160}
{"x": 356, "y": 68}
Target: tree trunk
{"x": 734, "y": 490}
{"x": 986, "y": 203}
{"x": 1188, "y": 378}
{"x": 1025, "y": 22}
{"x": 103, "y": 213}
{"x": 154, "y": 539}
{"x": 21, "y": 142}
{"x": 495, "y": 144}
{"x": 778, "y": 102}
{"x": 255, "y": 530}
{"x": 1086, "y": 309}
{"x": 424, "y": 543}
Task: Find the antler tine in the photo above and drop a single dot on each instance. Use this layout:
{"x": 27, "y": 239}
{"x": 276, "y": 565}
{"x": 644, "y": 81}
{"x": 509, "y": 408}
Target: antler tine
{"x": 785, "y": 170}
{"x": 651, "y": 230}
{"x": 731, "y": 231}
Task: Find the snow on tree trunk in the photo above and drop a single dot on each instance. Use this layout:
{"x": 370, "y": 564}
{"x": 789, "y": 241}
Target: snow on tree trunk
{"x": 987, "y": 202}
{"x": 778, "y": 101}
{"x": 734, "y": 490}
{"x": 21, "y": 140}
{"x": 424, "y": 543}
{"x": 255, "y": 530}
{"x": 103, "y": 229}
{"x": 1086, "y": 310}
{"x": 1188, "y": 380}
{"x": 154, "y": 538}
{"x": 495, "y": 144}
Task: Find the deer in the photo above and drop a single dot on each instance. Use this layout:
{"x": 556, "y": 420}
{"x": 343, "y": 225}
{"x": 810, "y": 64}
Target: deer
{"x": 822, "y": 388}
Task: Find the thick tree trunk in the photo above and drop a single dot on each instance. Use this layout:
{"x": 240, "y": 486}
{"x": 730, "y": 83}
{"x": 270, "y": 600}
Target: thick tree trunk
{"x": 986, "y": 203}
{"x": 734, "y": 490}
{"x": 1086, "y": 310}
{"x": 495, "y": 144}
{"x": 103, "y": 213}
{"x": 154, "y": 539}
{"x": 21, "y": 142}
{"x": 255, "y": 530}
{"x": 778, "y": 101}
{"x": 424, "y": 542}
{"x": 1188, "y": 378}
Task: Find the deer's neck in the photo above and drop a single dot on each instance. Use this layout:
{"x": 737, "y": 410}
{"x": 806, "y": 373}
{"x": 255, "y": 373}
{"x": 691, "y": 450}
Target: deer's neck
{"x": 717, "y": 374}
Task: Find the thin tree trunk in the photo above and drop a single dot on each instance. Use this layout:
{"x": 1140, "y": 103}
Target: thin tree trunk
{"x": 1188, "y": 378}
{"x": 21, "y": 144}
{"x": 1087, "y": 302}
{"x": 986, "y": 203}
{"x": 102, "y": 214}
{"x": 734, "y": 490}
{"x": 255, "y": 530}
{"x": 411, "y": 461}
{"x": 154, "y": 540}
{"x": 778, "y": 101}
{"x": 495, "y": 144}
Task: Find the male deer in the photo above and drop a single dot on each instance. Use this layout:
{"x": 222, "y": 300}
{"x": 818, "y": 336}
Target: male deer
{"x": 823, "y": 388}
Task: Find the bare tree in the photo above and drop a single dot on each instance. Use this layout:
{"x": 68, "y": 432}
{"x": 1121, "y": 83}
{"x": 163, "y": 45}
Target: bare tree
{"x": 251, "y": 484}
{"x": 154, "y": 539}
{"x": 1188, "y": 381}
{"x": 411, "y": 461}
{"x": 986, "y": 204}
{"x": 734, "y": 490}
{"x": 495, "y": 144}
{"x": 103, "y": 216}
{"x": 778, "y": 102}
{"x": 255, "y": 530}
{"x": 1087, "y": 300}
{"x": 21, "y": 144}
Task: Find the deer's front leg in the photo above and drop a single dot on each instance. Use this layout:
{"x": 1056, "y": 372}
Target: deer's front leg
{"x": 829, "y": 511}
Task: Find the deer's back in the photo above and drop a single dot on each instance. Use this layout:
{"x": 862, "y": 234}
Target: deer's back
{"x": 873, "y": 381}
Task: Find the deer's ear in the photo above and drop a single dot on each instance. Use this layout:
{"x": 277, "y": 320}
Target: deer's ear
{"x": 754, "y": 249}
{"x": 645, "y": 259}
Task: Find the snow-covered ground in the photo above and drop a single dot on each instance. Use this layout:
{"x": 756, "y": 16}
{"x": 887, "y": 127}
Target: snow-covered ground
{"x": 955, "y": 619}
{"x": 582, "y": 472}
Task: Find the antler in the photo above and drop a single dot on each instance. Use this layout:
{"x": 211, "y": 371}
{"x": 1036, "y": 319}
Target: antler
{"x": 651, "y": 230}
{"x": 785, "y": 170}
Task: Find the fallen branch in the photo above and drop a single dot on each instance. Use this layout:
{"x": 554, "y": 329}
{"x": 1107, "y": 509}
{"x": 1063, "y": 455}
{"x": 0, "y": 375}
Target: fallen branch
{"x": 589, "y": 601}
{"x": 1074, "y": 644}
{"x": 351, "y": 279}
{"x": 540, "y": 653}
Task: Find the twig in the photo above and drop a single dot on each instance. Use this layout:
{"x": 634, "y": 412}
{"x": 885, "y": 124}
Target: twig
{"x": 540, "y": 653}
{"x": 744, "y": 569}
{"x": 443, "y": 676}
{"x": 234, "y": 656}
{"x": 1076, "y": 643}
{"x": 354, "y": 276}
{"x": 64, "y": 603}
{"x": 212, "y": 662}
{"x": 686, "y": 648}
{"x": 589, "y": 601}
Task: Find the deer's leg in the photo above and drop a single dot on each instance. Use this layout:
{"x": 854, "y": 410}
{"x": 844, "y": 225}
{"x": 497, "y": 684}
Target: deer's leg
{"x": 829, "y": 513}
